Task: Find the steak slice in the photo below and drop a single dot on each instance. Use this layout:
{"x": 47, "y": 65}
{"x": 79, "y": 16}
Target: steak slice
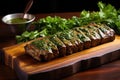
{"x": 96, "y": 36}
{"x": 86, "y": 40}
{"x": 90, "y": 33}
{"x": 109, "y": 31}
{"x": 60, "y": 45}
{"x": 104, "y": 37}
{"x": 78, "y": 42}
{"x": 68, "y": 44}
{"x": 42, "y": 49}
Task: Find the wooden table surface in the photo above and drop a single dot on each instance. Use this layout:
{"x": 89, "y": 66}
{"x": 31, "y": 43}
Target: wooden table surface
{"x": 109, "y": 71}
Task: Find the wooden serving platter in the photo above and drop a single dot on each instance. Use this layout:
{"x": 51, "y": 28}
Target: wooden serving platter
{"x": 28, "y": 68}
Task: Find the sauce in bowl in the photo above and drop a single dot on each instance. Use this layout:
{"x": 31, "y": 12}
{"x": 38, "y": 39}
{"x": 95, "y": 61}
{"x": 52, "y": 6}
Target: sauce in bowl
{"x": 17, "y": 20}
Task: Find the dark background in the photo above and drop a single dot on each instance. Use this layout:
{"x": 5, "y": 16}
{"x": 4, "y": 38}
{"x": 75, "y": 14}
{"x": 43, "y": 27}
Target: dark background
{"x": 51, "y": 6}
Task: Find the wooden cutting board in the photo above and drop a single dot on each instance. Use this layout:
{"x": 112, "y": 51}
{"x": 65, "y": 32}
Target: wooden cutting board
{"x": 28, "y": 68}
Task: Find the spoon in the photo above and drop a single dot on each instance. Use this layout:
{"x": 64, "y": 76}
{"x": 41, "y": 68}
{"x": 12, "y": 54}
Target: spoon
{"x": 27, "y": 8}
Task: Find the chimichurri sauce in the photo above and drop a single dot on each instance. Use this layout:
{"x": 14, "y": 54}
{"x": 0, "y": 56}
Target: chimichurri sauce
{"x": 17, "y": 20}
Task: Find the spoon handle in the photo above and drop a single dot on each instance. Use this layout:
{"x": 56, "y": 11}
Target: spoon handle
{"x": 28, "y": 6}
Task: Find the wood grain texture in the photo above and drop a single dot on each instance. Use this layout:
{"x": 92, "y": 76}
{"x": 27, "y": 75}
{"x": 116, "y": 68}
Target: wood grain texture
{"x": 27, "y": 68}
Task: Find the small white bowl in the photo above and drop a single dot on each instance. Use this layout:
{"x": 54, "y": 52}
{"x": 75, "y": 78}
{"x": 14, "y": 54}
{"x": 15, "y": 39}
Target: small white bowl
{"x": 18, "y": 27}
